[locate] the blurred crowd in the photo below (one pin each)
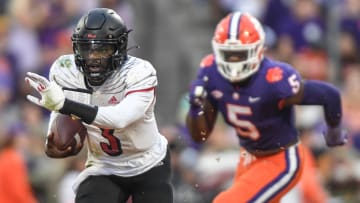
(320, 38)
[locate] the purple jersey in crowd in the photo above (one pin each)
(256, 109)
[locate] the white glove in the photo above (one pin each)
(52, 95)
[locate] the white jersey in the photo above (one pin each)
(123, 139)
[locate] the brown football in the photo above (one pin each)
(65, 128)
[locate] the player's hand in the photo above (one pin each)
(52, 151)
(52, 96)
(197, 97)
(197, 93)
(336, 136)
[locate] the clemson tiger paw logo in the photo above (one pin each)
(274, 74)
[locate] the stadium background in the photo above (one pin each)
(321, 38)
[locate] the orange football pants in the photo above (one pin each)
(264, 179)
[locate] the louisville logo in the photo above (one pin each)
(91, 36)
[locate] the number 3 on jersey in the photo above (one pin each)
(243, 127)
(113, 147)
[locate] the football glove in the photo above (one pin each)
(197, 93)
(197, 96)
(52, 95)
(335, 136)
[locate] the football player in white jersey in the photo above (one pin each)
(114, 96)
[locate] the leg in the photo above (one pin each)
(154, 185)
(100, 189)
(266, 179)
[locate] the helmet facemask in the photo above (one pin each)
(237, 62)
(238, 46)
(100, 44)
(95, 60)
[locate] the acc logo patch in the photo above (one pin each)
(65, 63)
(274, 75)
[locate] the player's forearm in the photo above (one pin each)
(199, 128)
(321, 93)
(86, 112)
(130, 109)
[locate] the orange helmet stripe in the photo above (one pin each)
(237, 26)
(222, 30)
(248, 32)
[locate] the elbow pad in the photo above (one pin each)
(322, 93)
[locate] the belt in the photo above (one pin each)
(261, 153)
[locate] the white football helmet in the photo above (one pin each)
(238, 35)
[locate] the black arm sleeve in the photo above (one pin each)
(86, 112)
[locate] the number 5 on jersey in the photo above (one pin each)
(243, 127)
(294, 83)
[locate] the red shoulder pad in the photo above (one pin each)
(207, 61)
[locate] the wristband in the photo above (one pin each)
(86, 112)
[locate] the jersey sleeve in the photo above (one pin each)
(141, 78)
(205, 64)
(203, 74)
(284, 79)
(56, 74)
(139, 99)
(65, 73)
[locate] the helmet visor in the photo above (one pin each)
(95, 50)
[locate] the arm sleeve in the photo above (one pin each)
(321, 93)
(130, 109)
(140, 81)
(140, 96)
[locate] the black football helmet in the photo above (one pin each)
(100, 44)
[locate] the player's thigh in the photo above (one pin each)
(160, 192)
(266, 180)
(97, 189)
(155, 185)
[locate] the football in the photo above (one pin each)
(210, 113)
(65, 128)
